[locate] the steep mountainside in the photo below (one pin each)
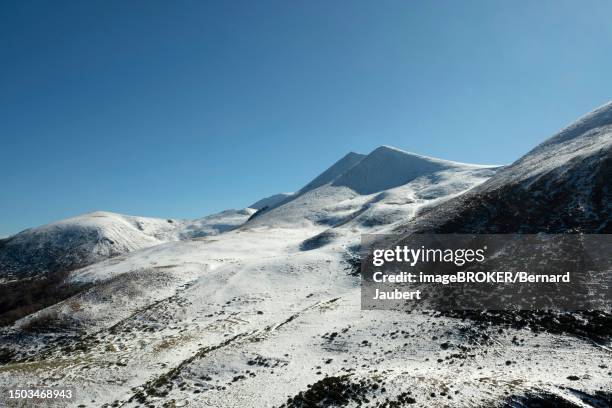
(563, 185)
(334, 172)
(329, 175)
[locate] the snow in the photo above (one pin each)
(215, 224)
(357, 195)
(336, 170)
(95, 236)
(387, 167)
(227, 312)
(253, 281)
(599, 117)
(328, 176)
(587, 136)
(253, 295)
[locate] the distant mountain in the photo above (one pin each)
(328, 176)
(385, 186)
(79, 241)
(339, 194)
(387, 167)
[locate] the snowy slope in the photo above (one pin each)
(336, 170)
(388, 182)
(214, 224)
(179, 298)
(249, 319)
(328, 176)
(589, 136)
(79, 241)
(89, 238)
(562, 185)
(387, 167)
(254, 317)
(270, 201)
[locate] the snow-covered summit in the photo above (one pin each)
(80, 240)
(388, 167)
(85, 239)
(385, 185)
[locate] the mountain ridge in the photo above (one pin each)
(388, 167)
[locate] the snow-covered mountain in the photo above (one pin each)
(89, 238)
(387, 167)
(336, 170)
(268, 313)
(384, 186)
(326, 177)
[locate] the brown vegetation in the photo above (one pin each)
(26, 296)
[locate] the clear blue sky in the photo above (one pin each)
(184, 108)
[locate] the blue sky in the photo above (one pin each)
(180, 109)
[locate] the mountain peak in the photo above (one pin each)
(385, 151)
(387, 167)
(353, 155)
(337, 169)
(383, 148)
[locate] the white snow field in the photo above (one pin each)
(268, 313)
